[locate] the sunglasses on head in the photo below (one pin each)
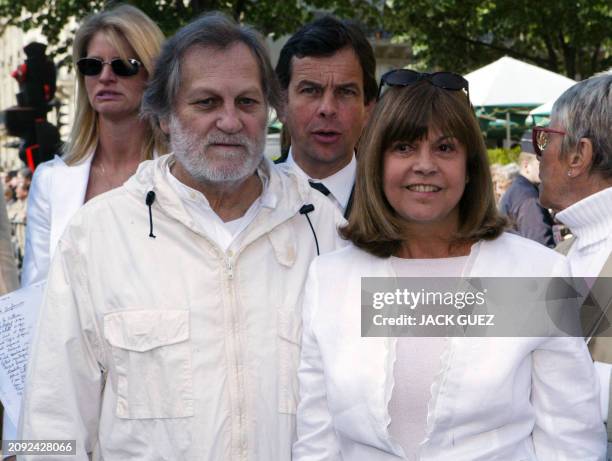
(540, 136)
(404, 77)
(93, 66)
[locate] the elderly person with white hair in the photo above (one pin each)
(576, 182)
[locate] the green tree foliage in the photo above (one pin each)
(572, 37)
(503, 156)
(270, 17)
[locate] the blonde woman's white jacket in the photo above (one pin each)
(506, 399)
(57, 192)
(170, 348)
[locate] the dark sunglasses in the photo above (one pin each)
(540, 136)
(93, 66)
(404, 77)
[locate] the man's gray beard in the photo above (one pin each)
(191, 152)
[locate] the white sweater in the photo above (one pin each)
(590, 220)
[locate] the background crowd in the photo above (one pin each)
(16, 185)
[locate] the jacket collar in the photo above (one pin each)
(286, 193)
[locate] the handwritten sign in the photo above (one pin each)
(18, 312)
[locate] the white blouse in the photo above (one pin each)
(417, 362)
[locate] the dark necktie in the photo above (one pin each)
(320, 187)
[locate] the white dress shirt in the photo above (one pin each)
(590, 220)
(340, 184)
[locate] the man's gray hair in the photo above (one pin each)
(213, 30)
(584, 111)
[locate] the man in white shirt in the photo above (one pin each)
(171, 327)
(575, 155)
(327, 74)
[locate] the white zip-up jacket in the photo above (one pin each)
(169, 348)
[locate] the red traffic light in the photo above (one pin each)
(20, 73)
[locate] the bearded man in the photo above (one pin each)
(171, 325)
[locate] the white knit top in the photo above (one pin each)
(590, 220)
(417, 362)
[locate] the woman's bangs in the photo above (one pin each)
(120, 43)
(412, 114)
(405, 123)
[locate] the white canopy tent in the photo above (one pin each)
(545, 109)
(510, 82)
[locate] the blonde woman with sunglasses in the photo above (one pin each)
(114, 53)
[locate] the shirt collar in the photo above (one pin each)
(589, 219)
(339, 184)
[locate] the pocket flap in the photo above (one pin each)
(143, 330)
(284, 244)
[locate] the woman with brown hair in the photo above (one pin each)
(114, 53)
(424, 206)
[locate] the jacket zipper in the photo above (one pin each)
(241, 448)
(230, 269)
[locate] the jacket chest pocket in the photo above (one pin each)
(152, 355)
(289, 343)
